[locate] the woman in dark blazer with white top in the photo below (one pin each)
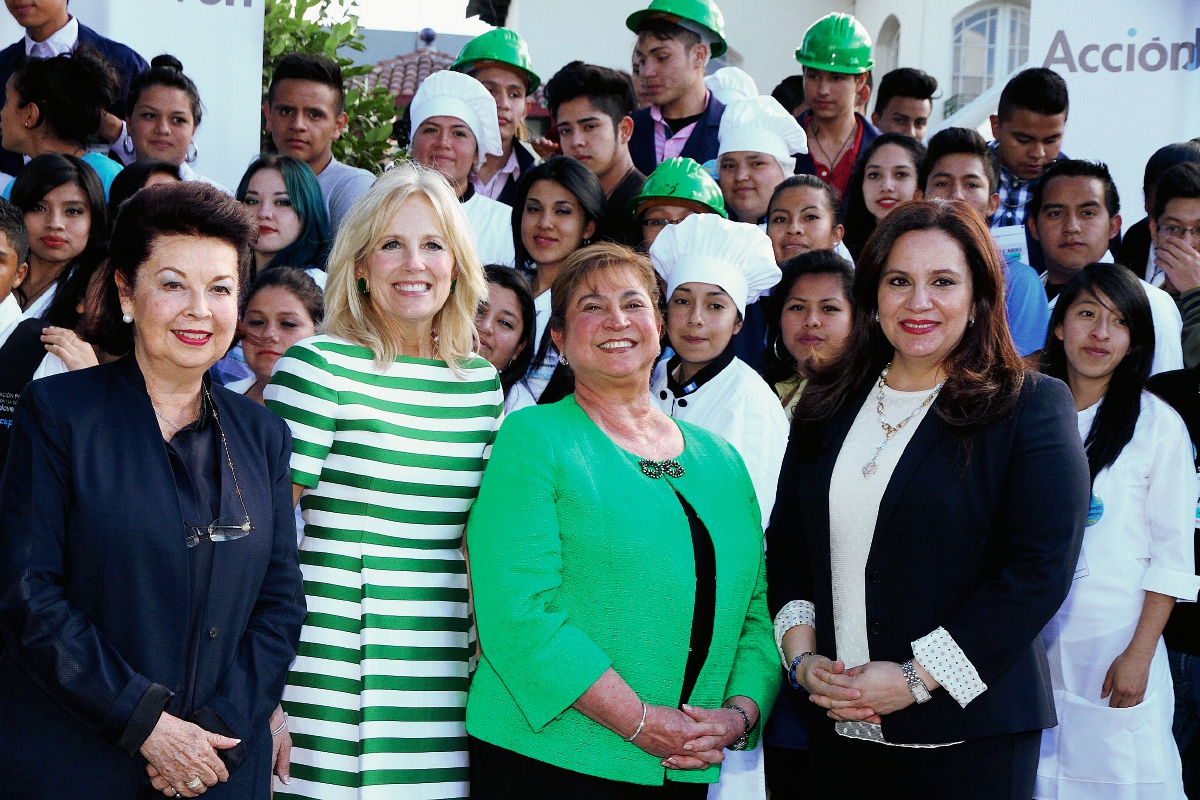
(150, 595)
(929, 517)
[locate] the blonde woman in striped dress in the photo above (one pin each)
(393, 418)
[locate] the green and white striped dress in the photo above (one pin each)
(392, 460)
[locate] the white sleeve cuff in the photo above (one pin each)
(797, 612)
(942, 658)
(1180, 585)
(123, 147)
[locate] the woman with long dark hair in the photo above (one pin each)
(885, 177)
(293, 224)
(558, 209)
(505, 326)
(1108, 663)
(927, 523)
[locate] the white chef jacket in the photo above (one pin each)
(492, 223)
(1142, 542)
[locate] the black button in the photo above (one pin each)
(212, 633)
(683, 403)
(663, 394)
(876, 628)
(876, 576)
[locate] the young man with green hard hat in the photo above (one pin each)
(678, 188)
(836, 56)
(499, 59)
(675, 39)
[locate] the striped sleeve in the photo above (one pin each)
(300, 392)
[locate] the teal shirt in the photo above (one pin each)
(106, 169)
(580, 562)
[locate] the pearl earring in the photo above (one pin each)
(127, 318)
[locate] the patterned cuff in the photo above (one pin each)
(797, 612)
(942, 658)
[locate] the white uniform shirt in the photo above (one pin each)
(10, 317)
(492, 222)
(1143, 541)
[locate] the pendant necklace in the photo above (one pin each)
(890, 431)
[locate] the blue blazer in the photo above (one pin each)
(804, 162)
(701, 146)
(94, 587)
(123, 59)
(978, 532)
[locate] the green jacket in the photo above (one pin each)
(580, 562)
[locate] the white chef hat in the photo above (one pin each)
(759, 124)
(705, 248)
(453, 94)
(731, 83)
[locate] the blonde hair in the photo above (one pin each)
(354, 317)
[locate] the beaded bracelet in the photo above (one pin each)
(792, 672)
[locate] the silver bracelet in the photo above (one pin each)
(282, 726)
(641, 725)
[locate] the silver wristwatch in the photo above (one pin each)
(920, 691)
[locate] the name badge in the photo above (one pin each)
(1095, 510)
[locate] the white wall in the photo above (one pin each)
(220, 45)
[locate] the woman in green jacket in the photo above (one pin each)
(617, 567)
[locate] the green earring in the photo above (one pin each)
(453, 284)
(362, 286)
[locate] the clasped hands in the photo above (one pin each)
(182, 757)
(692, 738)
(865, 693)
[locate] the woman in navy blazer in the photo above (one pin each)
(150, 596)
(928, 521)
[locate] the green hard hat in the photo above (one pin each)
(502, 46)
(681, 179)
(837, 43)
(700, 12)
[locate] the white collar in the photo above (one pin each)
(10, 316)
(63, 40)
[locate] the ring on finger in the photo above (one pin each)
(194, 783)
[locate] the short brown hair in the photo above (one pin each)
(587, 261)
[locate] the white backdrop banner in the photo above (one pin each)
(1131, 69)
(220, 45)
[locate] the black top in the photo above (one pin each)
(705, 607)
(20, 355)
(1181, 389)
(623, 227)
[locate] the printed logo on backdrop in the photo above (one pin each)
(245, 3)
(1149, 56)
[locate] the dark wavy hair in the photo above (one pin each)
(984, 372)
(191, 208)
(311, 248)
(779, 366)
(129, 180)
(41, 176)
(576, 179)
(71, 92)
(1117, 288)
(509, 278)
(859, 221)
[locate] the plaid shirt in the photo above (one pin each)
(1014, 195)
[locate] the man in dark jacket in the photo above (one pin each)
(50, 31)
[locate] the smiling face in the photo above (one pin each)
(410, 268)
(161, 125)
(303, 122)
(500, 326)
(275, 320)
(553, 225)
(889, 179)
(1073, 225)
(447, 145)
(962, 176)
(747, 181)
(925, 298)
(587, 135)
(701, 320)
(1095, 337)
(611, 331)
(59, 224)
(800, 220)
(184, 305)
(1027, 141)
(267, 199)
(816, 318)
(507, 88)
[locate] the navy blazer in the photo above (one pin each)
(804, 162)
(978, 532)
(123, 59)
(94, 586)
(701, 145)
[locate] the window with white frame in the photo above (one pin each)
(991, 41)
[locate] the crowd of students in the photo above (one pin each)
(876, 339)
